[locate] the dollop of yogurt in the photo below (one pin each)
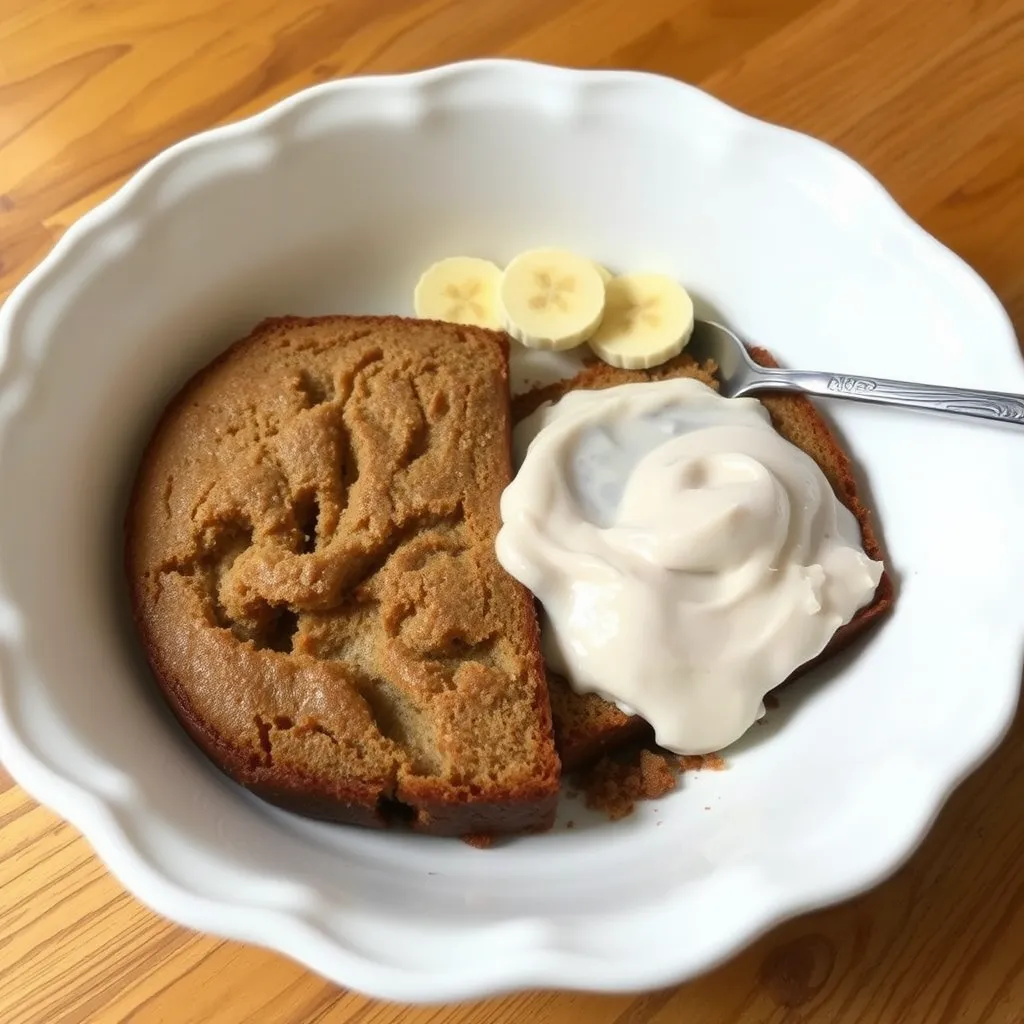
(688, 558)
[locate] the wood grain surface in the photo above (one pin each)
(928, 94)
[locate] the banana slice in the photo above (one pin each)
(606, 274)
(648, 319)
(551, 299)
(461, 290)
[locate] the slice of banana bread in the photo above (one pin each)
(310, 550)
(586, 726)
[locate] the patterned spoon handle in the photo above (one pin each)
(987, 405)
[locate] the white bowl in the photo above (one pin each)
(333, 201)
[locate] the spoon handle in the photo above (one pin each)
(986, 405)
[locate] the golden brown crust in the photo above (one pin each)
(310, 547)
(596, 376)
(587, 727)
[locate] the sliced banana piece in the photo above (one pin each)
(606, 274)
(461, 290)
(551, 299)
(648, 319)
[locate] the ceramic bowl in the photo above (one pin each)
(333, 201)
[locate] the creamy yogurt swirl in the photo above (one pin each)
(687, 556)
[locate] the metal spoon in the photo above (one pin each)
(740, 375)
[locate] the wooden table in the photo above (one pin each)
(929, 94)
